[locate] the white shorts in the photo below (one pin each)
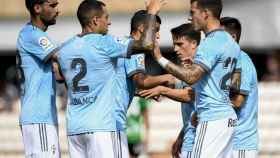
(214, 138)
(40, 141)
(186, 154)
(245, 153)
(98, 145)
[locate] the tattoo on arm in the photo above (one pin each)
(189, 74)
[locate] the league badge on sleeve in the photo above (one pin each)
(141, 60)
(45, 43)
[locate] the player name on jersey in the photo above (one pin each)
(83, 100)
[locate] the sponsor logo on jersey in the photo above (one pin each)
(232, 122)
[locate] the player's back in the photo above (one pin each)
(37, 80)
(217, 54)
(90, 75)
(246, 133)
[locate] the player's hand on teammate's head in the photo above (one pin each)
(154, 6)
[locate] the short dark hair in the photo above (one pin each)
(187, 31)
(232, 25)
(30, 5)
(215, 6)
(139, 18)
(88, 9)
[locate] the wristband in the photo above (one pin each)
(163, 62)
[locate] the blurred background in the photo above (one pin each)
(260, 39)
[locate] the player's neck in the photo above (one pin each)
(35, 21)
(212, 25)
(88, 29)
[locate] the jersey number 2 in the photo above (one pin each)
(83, 71)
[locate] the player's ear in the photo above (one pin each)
(37, 9)
(95, 20)
(206, 13)
(141, 28)
(194, 44)
(234, 36)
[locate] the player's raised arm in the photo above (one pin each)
(189, 74)
(147, 39)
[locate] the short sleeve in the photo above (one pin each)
(246, 77)
(206, 55)
(135, 64)
(238, 65)
(40, 45)
(115, 47)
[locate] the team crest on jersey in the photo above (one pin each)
(45, 43)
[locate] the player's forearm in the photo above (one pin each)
(180, 95)
(144, 81)
(190, 74)
(147, 38)
(152, 81)
(57, 73)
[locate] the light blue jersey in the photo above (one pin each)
(125, 87)
(189, 131)
(89, 65)
(36, 76)
(246, 132)
(217, 54)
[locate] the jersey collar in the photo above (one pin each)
(216, 30)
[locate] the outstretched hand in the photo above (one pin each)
(153, 6)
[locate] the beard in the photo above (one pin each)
(48, 22)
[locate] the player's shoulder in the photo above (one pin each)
(214, 39)
(31, 32)
(33, 36)
(247, 63)
(244, 57)
(101, 40)
(68, 43)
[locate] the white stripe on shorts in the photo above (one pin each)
(198, 147)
